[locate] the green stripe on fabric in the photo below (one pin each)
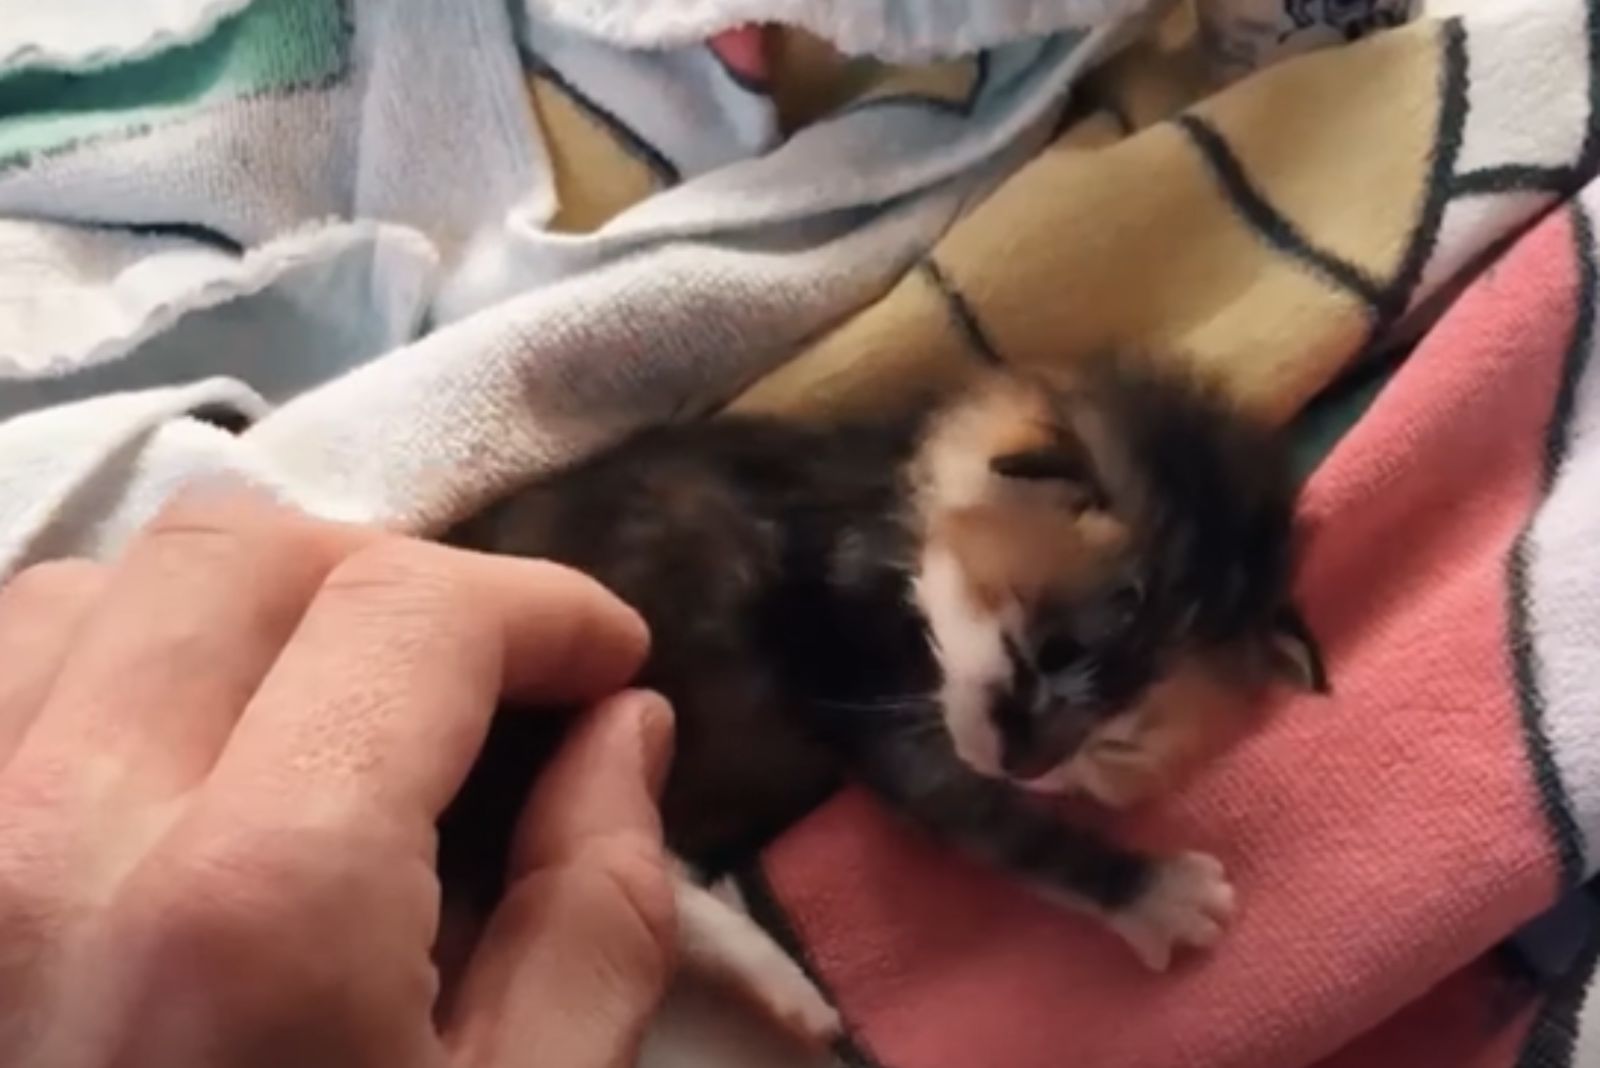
(271, 46)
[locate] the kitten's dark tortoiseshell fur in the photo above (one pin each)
(725, 536)
(774, 565)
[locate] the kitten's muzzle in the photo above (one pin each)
(1027, 766)
(1033, 754)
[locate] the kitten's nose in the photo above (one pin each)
(1062, 735)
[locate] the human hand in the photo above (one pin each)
(221, 763)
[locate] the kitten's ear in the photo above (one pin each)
(1293, 654)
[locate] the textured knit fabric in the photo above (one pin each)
(430, 250)
(451, 245)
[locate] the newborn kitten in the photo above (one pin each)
(1027, 587)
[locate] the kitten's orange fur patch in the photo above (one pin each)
(1013, 540)
(1018, 541)
(1185, 722)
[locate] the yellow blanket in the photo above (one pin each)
(1271, 231)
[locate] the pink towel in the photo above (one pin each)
(1382, 839)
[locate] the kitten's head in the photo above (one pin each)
(1084, 540)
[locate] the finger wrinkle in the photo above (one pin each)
(614, 911)
(410, 585)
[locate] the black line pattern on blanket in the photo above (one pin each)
(961, 313)
(1454, 104)
(1553, 1038)
(666, 172)
(1536, 178)
(1269, 223)
(764, 908)
(1387, 302)
(1565, 834)
(196, 233)
(1517, 178)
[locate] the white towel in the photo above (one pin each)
(353, 208)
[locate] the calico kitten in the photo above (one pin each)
(1028, 587)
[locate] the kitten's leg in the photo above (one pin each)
(721, 943)
(1157, 905)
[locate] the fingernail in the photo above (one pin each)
(652, 716)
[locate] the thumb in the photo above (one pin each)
(578, 953)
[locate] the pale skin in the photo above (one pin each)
(222, 757)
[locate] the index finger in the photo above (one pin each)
(380, 701)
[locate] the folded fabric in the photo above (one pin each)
(283, 191)
(1244, 35)
(1382, 838)
(1387, 837)
(886, 28)
(1271, 232)
(80, 483)
(286, 194)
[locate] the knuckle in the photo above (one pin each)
(637, 871)
(399, 576)
(617, 897)
(32, 932)
(35, 793)
(216, 910)
(33, 892)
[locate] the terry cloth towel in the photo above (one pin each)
(1386, 839)
(591, 235)
(547, 238)
(297, 189)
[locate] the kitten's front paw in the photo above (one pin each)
(1188, 902)
(810, 1018)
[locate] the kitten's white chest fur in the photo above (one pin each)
(970, 645)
